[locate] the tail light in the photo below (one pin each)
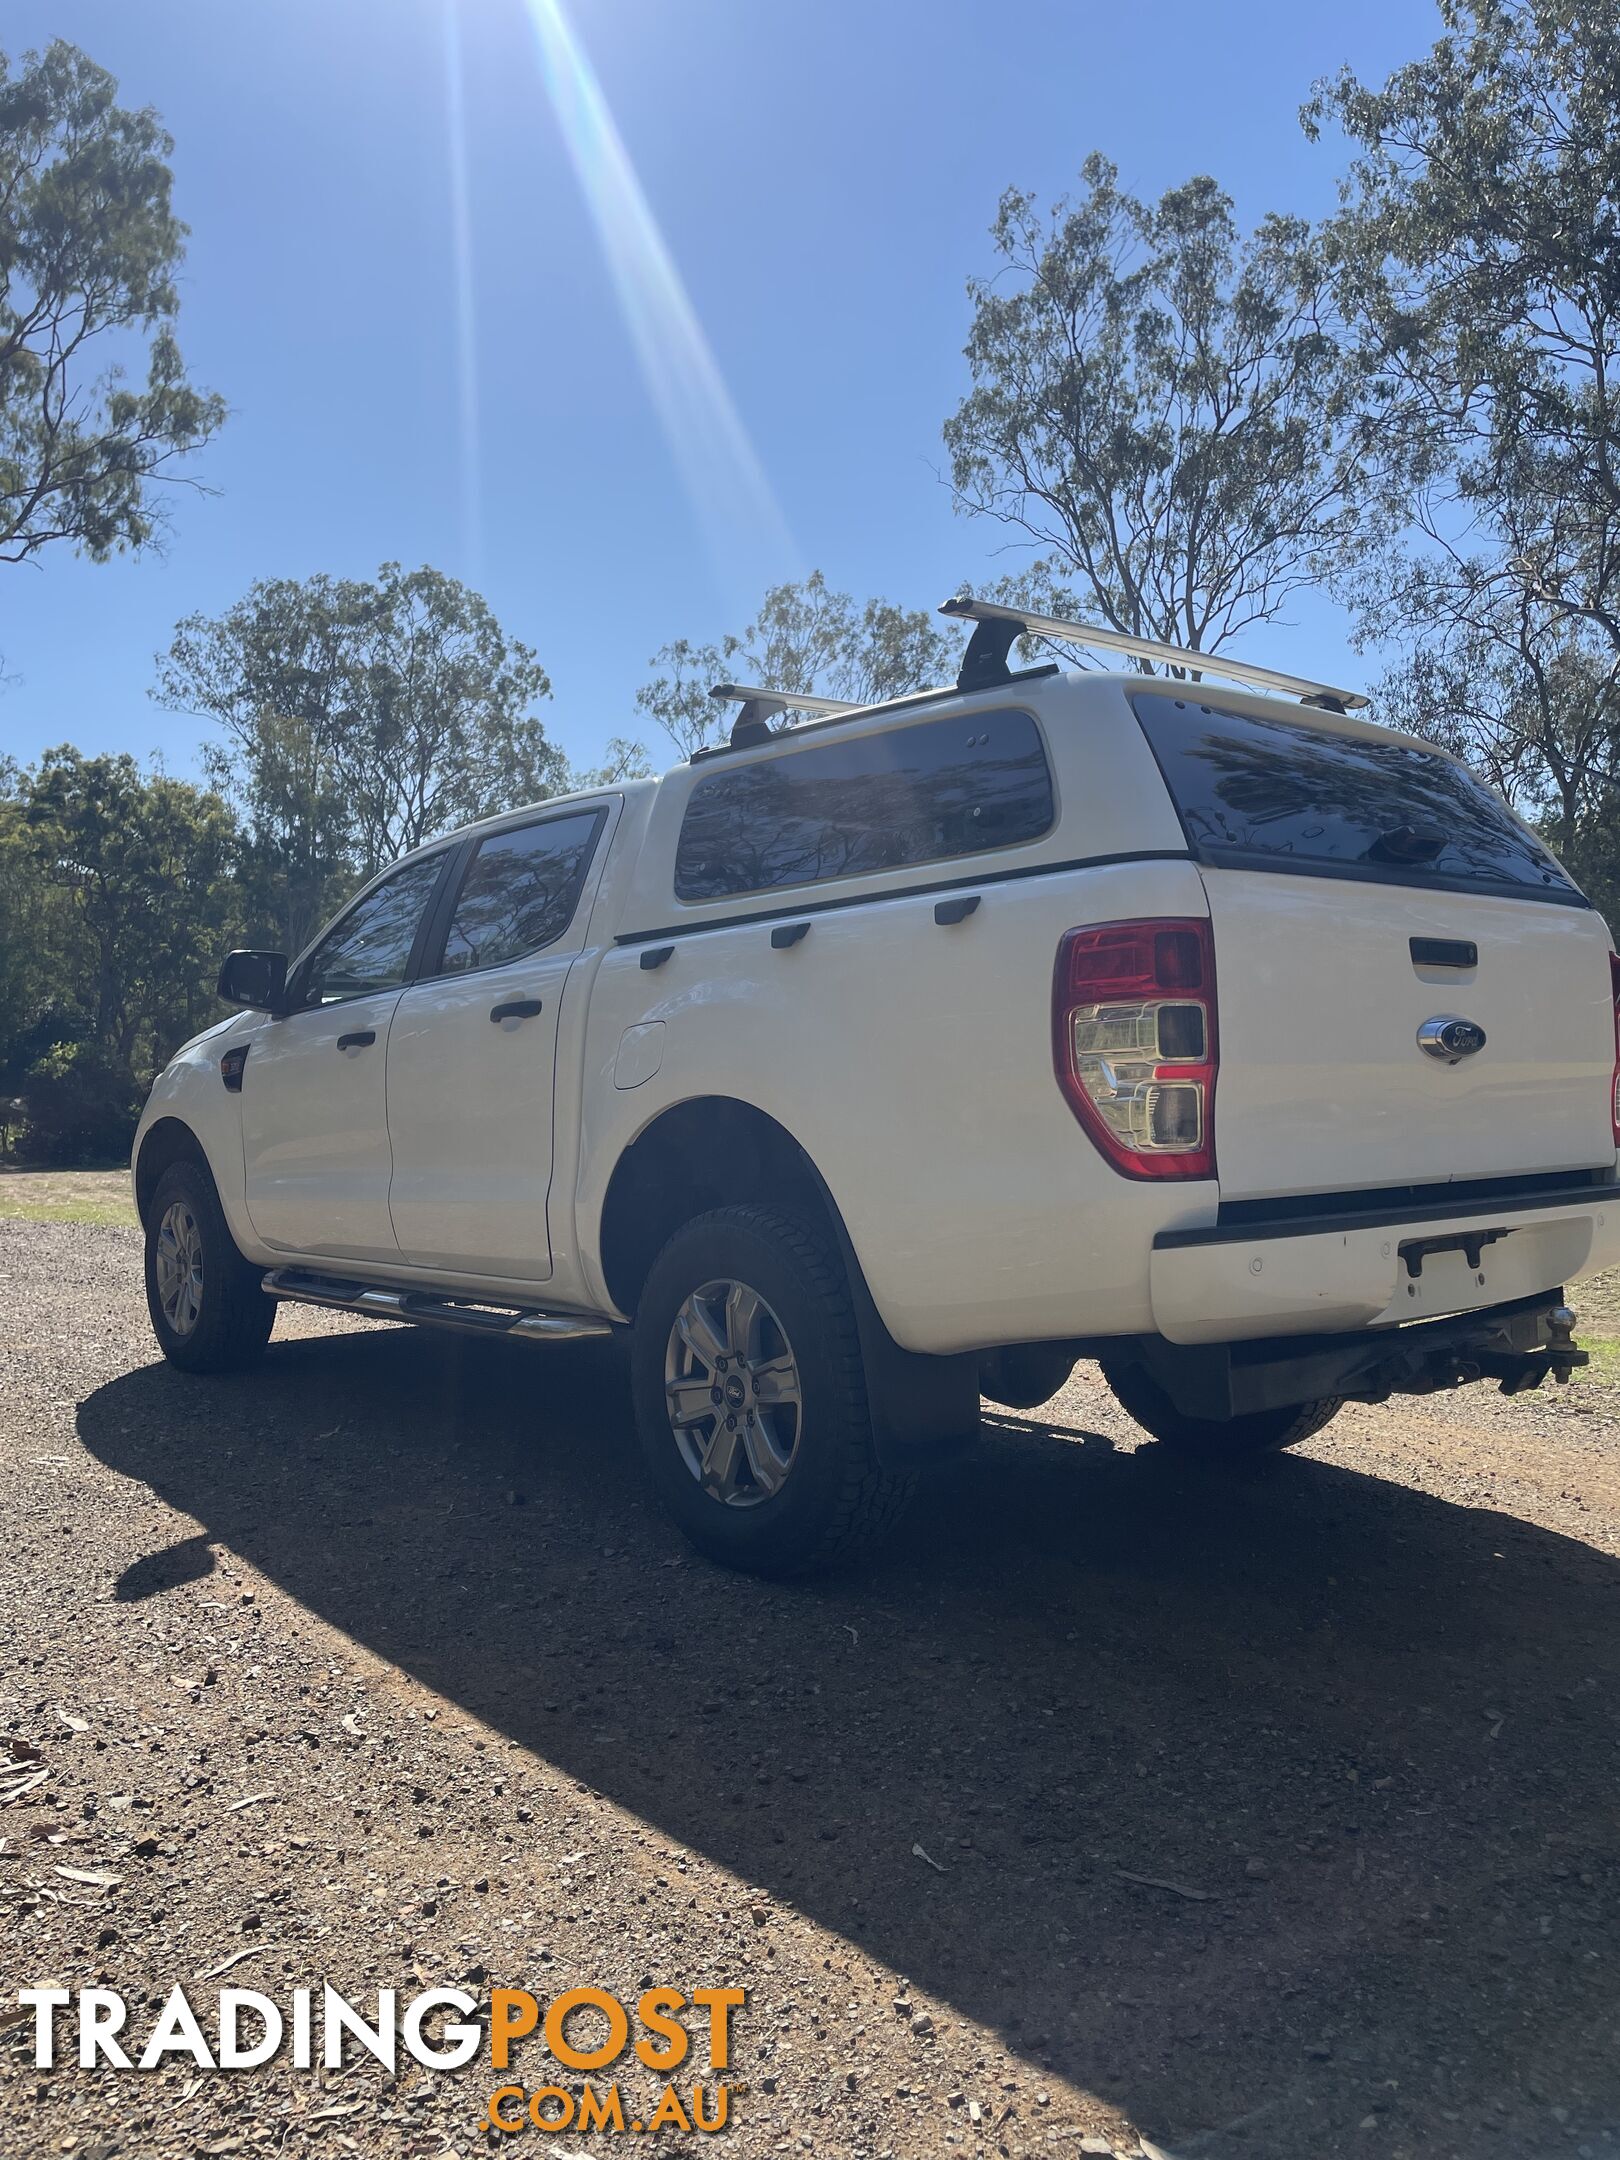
(1614, 1085)
(1133, 1036)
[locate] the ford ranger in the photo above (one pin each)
(858, 1068)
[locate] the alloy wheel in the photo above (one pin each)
(179, 1260)
(731, 1383)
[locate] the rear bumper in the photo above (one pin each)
(1313, 1275)
(1518, 1344)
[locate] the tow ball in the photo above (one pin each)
(1562, 1354)
(1521, 1370)
(1560, 1357)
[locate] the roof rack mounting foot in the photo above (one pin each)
(984, 664)
(751, 725)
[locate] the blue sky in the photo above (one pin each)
(818, 177)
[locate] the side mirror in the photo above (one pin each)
(255, 979)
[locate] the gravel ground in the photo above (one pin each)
(1262, 1818)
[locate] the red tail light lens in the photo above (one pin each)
(1134, 1041)
(1614, 1085)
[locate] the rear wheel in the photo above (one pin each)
(208, 1311)
(1213, 1440)
(751, 1399)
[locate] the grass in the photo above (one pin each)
(74, 1196)
(1597, 1300)
(1604, 1370)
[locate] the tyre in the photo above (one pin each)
(1213, 1440)
(750, 1396)
(209, 1313)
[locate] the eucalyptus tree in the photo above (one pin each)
(89, 251)
(1476, 260)
(805, 637)
(1160, 410)
(360, 719)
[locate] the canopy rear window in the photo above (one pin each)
(1284, 795)
(846, 806)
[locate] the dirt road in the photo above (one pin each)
(1269, 1818)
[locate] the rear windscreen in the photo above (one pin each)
(1275, 794)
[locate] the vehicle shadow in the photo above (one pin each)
(1262, 1809)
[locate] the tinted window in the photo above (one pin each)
(520, 891)
(845, 807)
(1275, 794)
(369, 949)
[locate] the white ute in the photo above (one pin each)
(916, 1051)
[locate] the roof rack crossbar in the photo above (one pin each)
(727, 693)
(752, 724)
(1011, 623)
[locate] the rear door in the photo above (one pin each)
(473, 1048)
(314, 1100)
(1360, 887)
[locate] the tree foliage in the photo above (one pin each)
(143, 861)
(1531, 699)
(625, 760)
(1475, 261)
(118, 891)
(1160, 408)
(89, 247)
(360, 719)
(36, 944)
(808, 638)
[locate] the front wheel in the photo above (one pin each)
(750, 1395)
(1213, 1440)
(208, 1311)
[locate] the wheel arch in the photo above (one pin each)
(706, 1152)
(713, 1151)
(168, 1141)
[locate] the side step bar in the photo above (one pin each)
(522, 1323)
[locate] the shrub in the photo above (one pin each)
(81, 1106)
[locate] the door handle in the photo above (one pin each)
(358, 1040)
(517, 1009)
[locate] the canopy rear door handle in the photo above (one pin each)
(1443, 952)
(517, 1009)
(955, 911)
(358, 1040)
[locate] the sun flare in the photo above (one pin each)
(731, 499)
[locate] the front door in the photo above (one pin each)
(473, 1050)
(314, 1100)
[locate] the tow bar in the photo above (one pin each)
(1517, 1345)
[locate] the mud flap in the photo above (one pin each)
(925, 1410)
